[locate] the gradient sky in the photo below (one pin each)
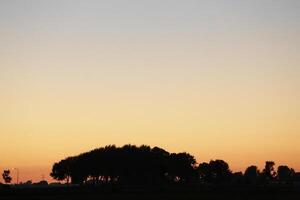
(219, 79)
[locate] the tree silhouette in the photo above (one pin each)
(285, 174)
(216, 171)
(204, 171)
(251, 175)
(220, 171)
(143, 165)
(62, 170)
(6, 176)
(269, 171)
(127, 164)
(182, 167)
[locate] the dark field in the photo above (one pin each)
(157, 193)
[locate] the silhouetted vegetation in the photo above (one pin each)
(143, 172)
(216, 171)
(6, 176)
(144, 165)
(252, 175)
(285, 174)
(128, 164)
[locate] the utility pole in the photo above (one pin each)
(17, 174)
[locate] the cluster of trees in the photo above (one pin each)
(218, 171)
(126, 164)
(146, 165)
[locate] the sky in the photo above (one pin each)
(218, 79)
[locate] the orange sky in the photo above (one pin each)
(218, 80)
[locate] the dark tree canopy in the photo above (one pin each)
(220, 171)
(127, 164)
(204, 172)
(285, 174)
(132, 164)
(216, 171)
(251, 175)
(269, 170)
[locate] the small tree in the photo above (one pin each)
(204, 172)
(251, 175)
(269, 171)
(285, 174)
(6, 176)
(181, 167)
(220, 171)
(61, 170)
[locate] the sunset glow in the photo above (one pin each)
(218, 80)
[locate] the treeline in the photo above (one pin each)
(145, 165)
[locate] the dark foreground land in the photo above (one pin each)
(155, 193)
